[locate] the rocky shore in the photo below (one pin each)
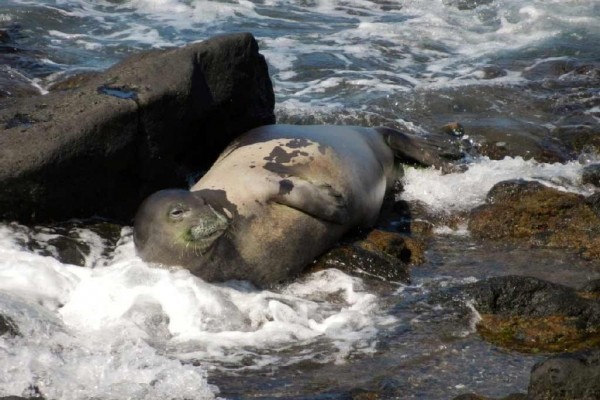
(98, 144)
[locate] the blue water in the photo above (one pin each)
(355, 54)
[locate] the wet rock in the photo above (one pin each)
(8, 326)
(381, 255)
(4, 36)
(363, 394)
(408, 250)
(593, 202)
(493, 72)
(591, 290)
(503, 137)
(73, 81)
(531, 315)
(591, 175)
(467, 4)
(549, 69)
(71, 242)
(531, 213)
(567, 377)
(472, 396)
(20, 398)
(579, 136)
(153, 121)
(14, 84)
(417, 220)
(454, 129)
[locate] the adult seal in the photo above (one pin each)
(276, 198)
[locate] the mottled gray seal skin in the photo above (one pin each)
(277, 197)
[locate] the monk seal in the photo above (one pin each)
(276, 198)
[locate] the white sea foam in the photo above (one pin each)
(128, 330)
(381, 48)
(466, 190)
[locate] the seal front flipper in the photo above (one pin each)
(320, 201)
(422, 150)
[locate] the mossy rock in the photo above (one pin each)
(531, 315)
(381, 255)
(553, 334)
(533, 214)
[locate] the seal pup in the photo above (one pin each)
(275, 199)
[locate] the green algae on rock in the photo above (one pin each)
(537, 215)
(531, 315)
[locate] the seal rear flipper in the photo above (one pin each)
(320, 201)
(423, 150)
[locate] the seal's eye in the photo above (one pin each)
(176, 213)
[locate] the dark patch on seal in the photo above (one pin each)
(218, 201)
(285, 186)
(298, 143)
(285, 170)
(280, 156)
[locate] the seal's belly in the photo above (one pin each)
(281, 241)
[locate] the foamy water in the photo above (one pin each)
(466, 190)
(325, 53)
(129, 330)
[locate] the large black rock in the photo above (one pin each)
(148, 123)
(573, 376)
(532, 297)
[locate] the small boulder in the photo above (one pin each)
(8, 326)
(573, 376)
(473, 396)
(591, 175)
(591, 290)
(531, 213)
(531, 315)
(381, 255)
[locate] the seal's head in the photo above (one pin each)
(175, 227)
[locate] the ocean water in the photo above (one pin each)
(118, 328)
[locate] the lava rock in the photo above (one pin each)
(467, 4)
(593, 202)
(531, 315)
(8, 326)
(566, 377)
(73, 81)
(70, 242)
(148, 123)
(531, 213)
(381, 255)
(20, 398)
(591, 289)
(591, 175)
(473, 396)
(580, 135)
(14, 84)
(453, 129)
